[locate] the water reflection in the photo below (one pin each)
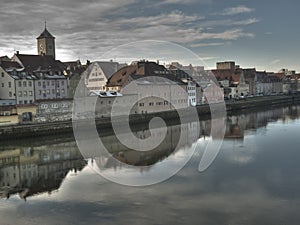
(33, 168)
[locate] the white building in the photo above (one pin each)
(16, 83)
(98, 73)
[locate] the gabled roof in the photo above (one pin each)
(8, 65)
(45, 34)
(108, 68)
(4, 58)
(40, 62)
(120, 77)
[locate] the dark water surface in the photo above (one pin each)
(254, 179)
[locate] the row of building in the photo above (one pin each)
(238, 82)
(149, 86)
(26, 79)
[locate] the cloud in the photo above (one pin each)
(275, 61)
(207, 44)
(226, 35)
(246, 22)
(229, 22)
(173, 18)
(236, 10)
(88, 29)
(185, 2)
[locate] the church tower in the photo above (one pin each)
(46, 43)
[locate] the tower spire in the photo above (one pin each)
(45, 24)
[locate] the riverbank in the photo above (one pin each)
(138, 122)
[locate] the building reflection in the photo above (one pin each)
(237, 126)
(176, 137)
(32, 168)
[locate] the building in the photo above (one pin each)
(226, 65)
(157, 88)
(188, 75)
(46, 43)
(48, 75)
(228, 72)
(98, 73)
(266, 84)
(16, 83)
(74, 71)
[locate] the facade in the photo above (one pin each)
(74, 71)
(25, 90)
(16, 83)
(51, 87)
(226, 66)
(267, 84)
(213, 94)
(7, 90)
(192, 93)
(188, 75)
(98, 73)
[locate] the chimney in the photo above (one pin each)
(18, 52)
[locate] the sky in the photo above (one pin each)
(261, 34)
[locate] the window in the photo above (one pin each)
(20, 102)
(25, 93)
(53, 91)
(10, 94)
(20, 93)
(48, 92)
(62, 91)
(24, 83)
(20, 83)
(30, 93)
(39, 83)
(40, 92)
(30, 83)
(48, 83)
(141, 104)
(9, 84)
(52, 83)
(62, 82)
(2, 74)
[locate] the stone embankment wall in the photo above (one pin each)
(55, 118)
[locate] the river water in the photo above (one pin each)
(253, 180)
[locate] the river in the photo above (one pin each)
(252, 180)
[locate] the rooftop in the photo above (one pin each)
(45, 34)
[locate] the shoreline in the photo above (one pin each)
(139, 121)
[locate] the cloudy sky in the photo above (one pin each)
(259, 33)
